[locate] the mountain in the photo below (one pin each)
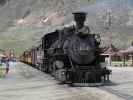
(121, 28)
(24, 22)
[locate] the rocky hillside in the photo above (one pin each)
(24, 22)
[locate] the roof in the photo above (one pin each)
(111, 49)
(2, 55)
(127, 51)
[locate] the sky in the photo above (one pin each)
(114, 2)
(108, 4)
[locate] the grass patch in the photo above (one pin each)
(19, 51)
(87, 1)
(120, 63)
(2, 71)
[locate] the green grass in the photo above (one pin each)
(18, 49)
(87, 1)
(21, 38)
(120, 63)
(2, 72)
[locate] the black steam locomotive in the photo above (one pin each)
(72, 55)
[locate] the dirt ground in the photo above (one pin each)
(122, 82)
(26, 83)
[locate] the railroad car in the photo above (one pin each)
(33, 57)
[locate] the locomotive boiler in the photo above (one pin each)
(72, 55)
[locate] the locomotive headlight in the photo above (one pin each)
(59, 64)
(63, 73)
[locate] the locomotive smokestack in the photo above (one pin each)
(79, 18)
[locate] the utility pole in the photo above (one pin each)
(108, 24)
